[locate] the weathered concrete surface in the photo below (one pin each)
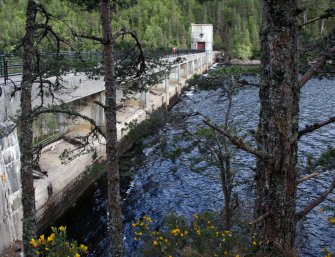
(10, 187)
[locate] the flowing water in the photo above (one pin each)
(164, 182)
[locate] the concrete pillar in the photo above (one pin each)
(185, 65)
(178, 73)
(207, 61)
(193, 68)
(167, 93)
(144, 99)
(178, 89)
(187, 70)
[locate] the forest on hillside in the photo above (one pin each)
(165, 24)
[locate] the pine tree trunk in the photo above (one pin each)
(26, 134)
(113, 177)
(278, 128)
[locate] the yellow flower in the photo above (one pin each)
(331, 219)
(46, 248)
(33, 243)
(237, 255)
(134, 225)
(42, 240)
(147, 219)
(155, 242)
(62, 228)
(83, 247)
(254, 242)
(77, 255)
(51, 237)
(175, 231)
(195, 215)
(170, 256)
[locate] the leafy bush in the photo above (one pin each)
(204, 236)
(56, 245)
(222, 76)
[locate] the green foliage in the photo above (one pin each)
(325, 161)
(329, 211)
(327, 253)
(204, 236)
(237, 70)
(327, 158)
(56, 245)
(162, 24)
(219, 77)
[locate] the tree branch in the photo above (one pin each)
(141, 59)
(315, 126)
(90, 37)
(235, 140)
(320, 61)
(100, 104)
(244, 82)
(260, 218)
(327, 14)
(303, 179)
(316, 202)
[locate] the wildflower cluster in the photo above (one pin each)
(141, 227)
(56, 245)
(203, 236)
(327, 253)
(330, 211)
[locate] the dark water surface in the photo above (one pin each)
(164, 183)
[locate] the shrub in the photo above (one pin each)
(203, 236)
(56, 245)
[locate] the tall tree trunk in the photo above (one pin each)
(278, 128)
(113, 177)
(26, 133)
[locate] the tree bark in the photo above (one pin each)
(278, 128)
(113, 177)
(26, 133)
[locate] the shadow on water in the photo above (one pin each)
(164, 183)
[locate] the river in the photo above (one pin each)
(164, 183)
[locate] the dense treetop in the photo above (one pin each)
(163, 24)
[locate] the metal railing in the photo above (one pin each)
(11, 66)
